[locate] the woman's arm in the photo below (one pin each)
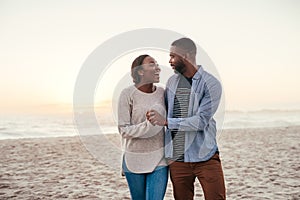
(128, 130)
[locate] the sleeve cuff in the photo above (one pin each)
(173, 123)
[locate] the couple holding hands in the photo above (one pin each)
(172, 129)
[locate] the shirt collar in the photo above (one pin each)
(197, 75)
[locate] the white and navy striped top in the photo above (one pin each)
(180, 110)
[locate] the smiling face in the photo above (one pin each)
(150, 71)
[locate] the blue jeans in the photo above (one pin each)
(147, 186)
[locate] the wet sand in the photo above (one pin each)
(257, 163)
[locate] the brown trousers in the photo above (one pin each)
(209, 174)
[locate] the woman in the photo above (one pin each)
(143, 163)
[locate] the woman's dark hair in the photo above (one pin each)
(137, 65)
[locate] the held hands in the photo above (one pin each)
(155, 118)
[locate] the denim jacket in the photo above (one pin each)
(199, 126)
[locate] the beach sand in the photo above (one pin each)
(257, 163)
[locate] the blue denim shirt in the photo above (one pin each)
(200, 126)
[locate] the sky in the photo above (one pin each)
(254, 45)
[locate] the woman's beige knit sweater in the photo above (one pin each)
(143, 143)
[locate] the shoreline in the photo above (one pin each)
(78, 135)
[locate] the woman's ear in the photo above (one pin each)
(140, 72)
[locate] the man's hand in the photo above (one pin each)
(155, 118)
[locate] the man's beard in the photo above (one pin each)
(180, 67)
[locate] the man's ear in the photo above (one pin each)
(186, 56)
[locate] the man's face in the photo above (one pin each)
(176, 60)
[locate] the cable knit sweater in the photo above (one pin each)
(143, 143)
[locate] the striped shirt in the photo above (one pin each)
(180, 110)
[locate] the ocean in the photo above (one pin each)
(39, 126)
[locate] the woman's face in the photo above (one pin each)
(150, 72)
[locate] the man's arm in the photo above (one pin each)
(208, 106)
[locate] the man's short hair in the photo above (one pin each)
(185, 44)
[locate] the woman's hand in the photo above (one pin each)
(155, 118)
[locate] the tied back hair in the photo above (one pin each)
(136, 66)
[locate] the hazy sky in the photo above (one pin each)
(254, 44)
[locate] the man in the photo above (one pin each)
(192, 98)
